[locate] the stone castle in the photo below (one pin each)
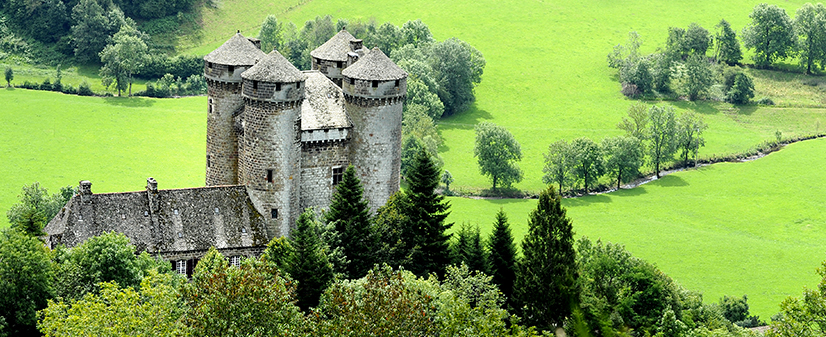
(278, 141)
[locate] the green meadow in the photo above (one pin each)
(754, 228)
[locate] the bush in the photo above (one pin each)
(84, 89)
(46, 85)
(69, 89)
(29, 85)
(741, 91)
(765, 101)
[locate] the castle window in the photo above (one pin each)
(278, 87)
(338, 64)
(209, 161)
(269, 176)
(397, 83)
(298, 85)
(175, 211)
(145, 213)
(375, 84)
(231, 69)
(209, 65)
(180, 267)
(180, 235)
(338, 175)
(217, 210)
(255, 85)
(274, 213)
(243, 230)
(352, 81)
(235, 261)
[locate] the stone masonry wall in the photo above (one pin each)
(317, 162)
(271, 142)
(331, 69)
(224, 103)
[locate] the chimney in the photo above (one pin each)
(85, 187)
(255, 42)
(151, 184)
(355, 44)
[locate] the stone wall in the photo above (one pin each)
(271, 144)
(331, 69)
(317, 162)
(164, 221)
(274, 92)
(221, 72)
(224, 104)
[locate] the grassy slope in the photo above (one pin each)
(753, 228)
(115, 142)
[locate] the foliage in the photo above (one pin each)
(94, 26)
(623, 157)
(419, 132)
(728, 48)
(770, 34)
(183, 66)
(682, 43)
(168, 86)
(278, 253)
(741, 91)
(153, 309)
(36, 208)
(468, 248)
(9, 74)
(105, 258)
(736, 311)
(587, 162)
(84, 89)
(26, 278)
(271, 34)
(447, 179)
(458, 68)
(689, 136)
(698, 77)
(308, 263)
(350, 214)
(636, 124)
(123, 58)
(559, 164)
(662, 133)
(391, 226)
(44, 20)
(425, 231)
(420, 94)
(803, 316)
(546, 277)
(497, 153)
(810, 30)
(502, 255)
(254, 299)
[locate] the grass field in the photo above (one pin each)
(116, 143)
(754, 228)
(546, 76)
(70, 75)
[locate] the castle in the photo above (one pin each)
(278, 141)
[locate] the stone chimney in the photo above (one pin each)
(85, 191)
(151, 184)
(355, 45)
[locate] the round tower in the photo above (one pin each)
(270, 146)
(374, 90)
(336, 54)
(222, 70)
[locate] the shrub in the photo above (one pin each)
(46, 85)
(29, 85)
(765, 101)
(84, 89)
(69, 89)
(741, 91)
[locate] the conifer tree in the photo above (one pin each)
(502, 255)
(468, 248)
(308, 263)
(426, 212)
(546, 276)
(351, 216)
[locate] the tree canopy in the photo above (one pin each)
(497, 153)
(770, 33)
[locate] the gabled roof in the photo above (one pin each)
(336, 48)
(323, 106)
(237, 51)
(375, 66)
(273, 67)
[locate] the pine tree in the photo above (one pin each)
(351, 216)
(468, 248)
(502, 255)
(426, 211)
(308, 263)
(546, 276)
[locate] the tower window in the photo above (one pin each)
(338, 64)
(338, 175)
(209, 65)
(375, 84)
(180, 267)
(274, 213)
(255, 85)
(278, 87)
(397, 83)
(269, 176)
(298, 85)
(209, 162)
(352, 81)
(231, 69)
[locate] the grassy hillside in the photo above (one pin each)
(546, 76)
(754, 228)
(116, 143)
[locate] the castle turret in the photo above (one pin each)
(337, 53)
(222, 69)
(270, 145)
(374, 90)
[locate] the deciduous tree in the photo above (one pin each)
(698, 77)
(36, 204)
(623, 158)
(497, 153)
(105, 258)
(588, 164)
(458, 68)
(810, 28)
(728, 48)
(689, 138)
(558, 164)
(770, 33)
(804, 316)
(546, 276)
(271, 34)
(662, 133)
(9, 76)
(123, 58)
(447, 179)
(26, 279)
(94, 26)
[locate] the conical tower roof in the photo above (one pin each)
(274, 68)
(375, 66)
(237, 51)
(336, 48)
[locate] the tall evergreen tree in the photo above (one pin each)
(426, 212)
(468, 248)
(308, 263)
(546, 276)
(502, 255)
(728, 48)
(351, 216)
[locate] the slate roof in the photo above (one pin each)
(336, 48)
(237, 51)
(375, 66)
(323, 106)
(274, 68)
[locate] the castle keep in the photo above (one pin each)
(278, 141)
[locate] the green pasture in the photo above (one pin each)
(115, 142)
(756, 228)
(73, 75)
